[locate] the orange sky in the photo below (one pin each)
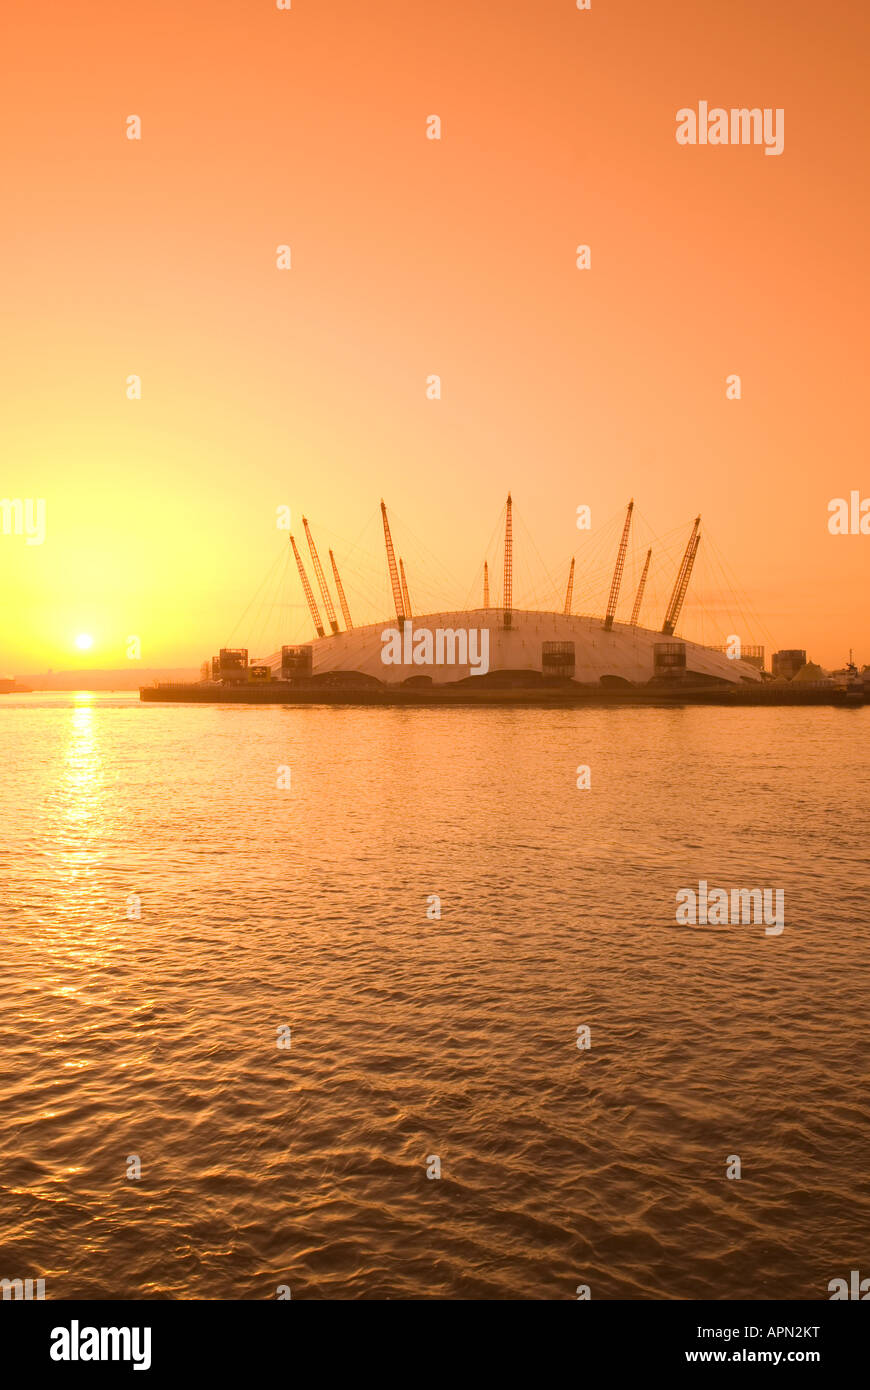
(413, 257)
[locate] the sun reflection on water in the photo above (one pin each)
(80, 819)
(83, 764)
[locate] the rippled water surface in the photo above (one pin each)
(414, 1036)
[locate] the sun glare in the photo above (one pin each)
(84, 641)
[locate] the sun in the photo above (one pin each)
(84, 641)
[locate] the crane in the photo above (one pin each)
(569, 592)
(345, 611)
(312, 606)
(321, 581)
(508, 564)
(635, 612)
(617, 573)
(406, 602)
(682, 580)
(391, 562)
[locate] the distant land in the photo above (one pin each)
(127, 678)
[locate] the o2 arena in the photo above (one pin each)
(492, 654)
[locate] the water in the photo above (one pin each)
(414, 1036)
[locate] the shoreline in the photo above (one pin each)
(559, 697)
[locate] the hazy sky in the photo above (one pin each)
(413, 257)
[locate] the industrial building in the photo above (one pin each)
(786, 664)
(524, 648)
